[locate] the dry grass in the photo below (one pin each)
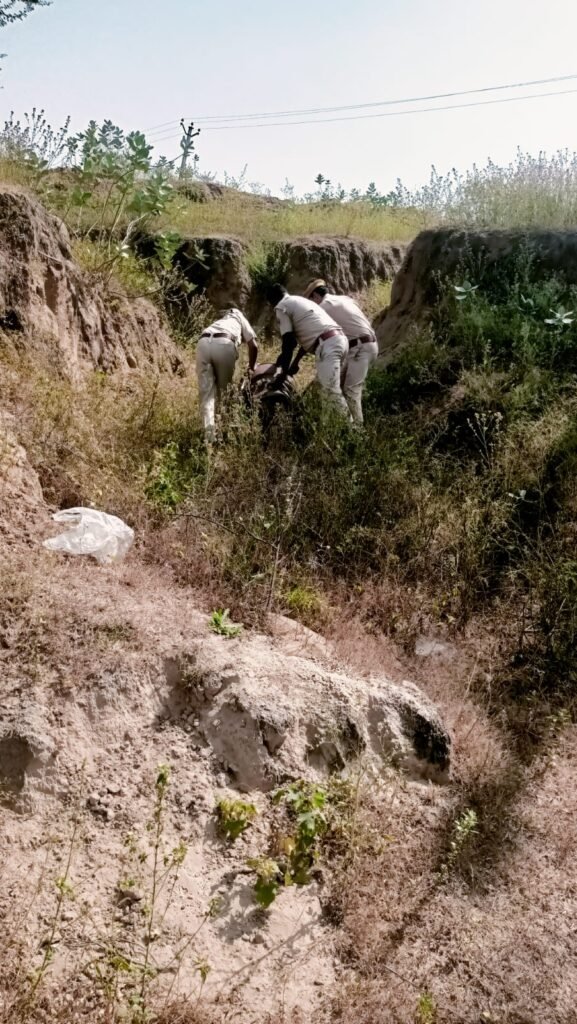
(93, 441)
(256, 222)
(481, 936)
(502, 948)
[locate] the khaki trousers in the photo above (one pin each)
(215, 362)
(330, 361)
(357, 364)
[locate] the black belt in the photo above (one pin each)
(363, 340)
(331, 333)
(218, 334)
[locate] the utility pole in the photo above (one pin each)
(186, 144)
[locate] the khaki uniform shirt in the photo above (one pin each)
(235, 323)
(347, 315)
(304, 318)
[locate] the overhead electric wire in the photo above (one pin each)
(387, 113)
(363, 106)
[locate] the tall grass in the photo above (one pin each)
(531, 191)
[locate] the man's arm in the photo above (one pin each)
(294, 367)
(289, 339)
(289, 343)
(252, 352)
(249, 337)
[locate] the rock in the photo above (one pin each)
(98, 805)
(48, 305)
(128, 897)
(288, 717)
(437, 254)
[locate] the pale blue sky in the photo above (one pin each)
(145, 62)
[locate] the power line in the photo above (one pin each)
(388, 113)
(362, 106)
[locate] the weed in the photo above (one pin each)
(234, 817)
(314, 812)
(426, 1012)
(531, 191)
(375, 298)
(33, 142)
(463, 832)
(304, 602)
(64, 892)
(220, 623)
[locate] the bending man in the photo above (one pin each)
(302, 322)
(216, 356)
(363, 348)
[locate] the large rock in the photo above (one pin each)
(269, 717)
(49, 305)
(438, 254)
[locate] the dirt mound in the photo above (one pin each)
(347, 264)
(218, 267)
(438, 254)
(212, 191)
(47, 303)
(21, 500)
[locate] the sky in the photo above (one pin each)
(143, 63)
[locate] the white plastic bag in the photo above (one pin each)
(107, 538)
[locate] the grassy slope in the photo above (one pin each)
(243, 217)
(236, 213)
(453, 514)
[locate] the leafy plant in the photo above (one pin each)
(165, 484)
(220, 623)
(306, 803)
(464, 291)
(268, 874)
(268, 264)
(234, 817)
(116, 182)
(304, 602)
(313, 811)
(561, 318)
